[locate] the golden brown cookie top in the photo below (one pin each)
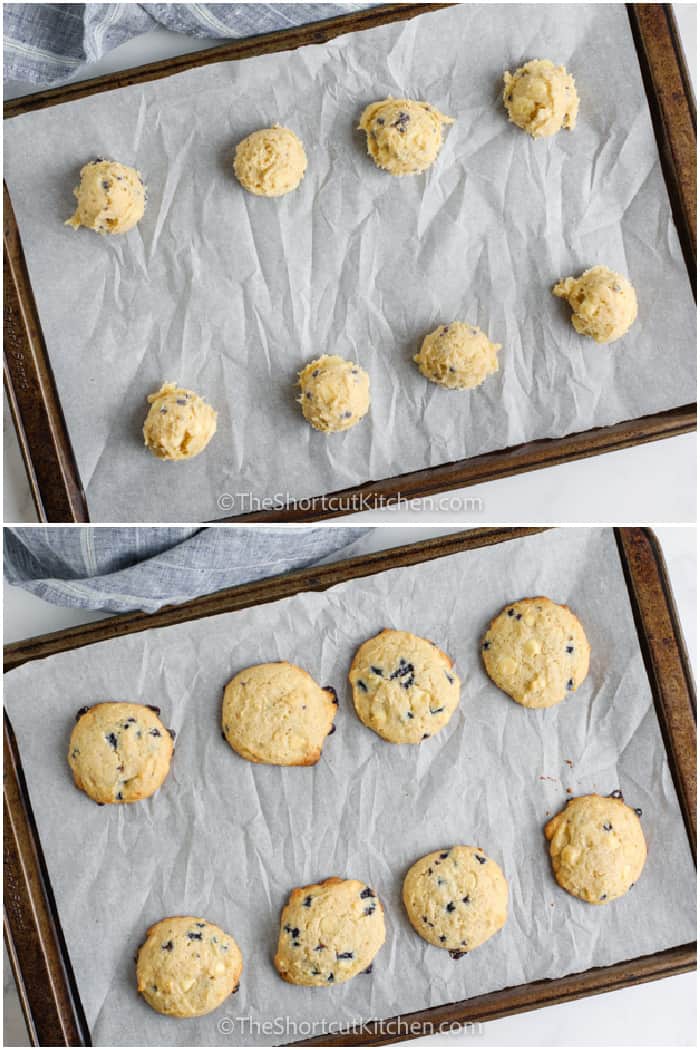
(597, 847)
(536, 651)
(276, 713)
(119, 751)
(329, 932)
(187, 966)
(456, 898)
(403, 686)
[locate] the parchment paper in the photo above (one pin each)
(227, 839)
(231, 295)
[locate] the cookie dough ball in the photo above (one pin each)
(111, 197)
(456, 898)
(270, 162)
(329, 932)
(187, 967)
(275, 713)
(604, 303)
(403, 137)
(597, 848)
(541, 98)
(334, 393)
(119, 752)
(403, 686)
(536, 651)
(179, 424)
(458, 356)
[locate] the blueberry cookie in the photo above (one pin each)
(404, 137)
(270, 162)
(334, 393)
(597, 848)
(603, 303)
(536, 651)
(541, 98)
(458, 356)
(111, 198)
(329, 932)
(120, 752)
(186, 967)
(403, 686)
(179, 425)
(275, 713)
(456, 898)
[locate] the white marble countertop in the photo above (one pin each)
(659, 1013)
(654, 482)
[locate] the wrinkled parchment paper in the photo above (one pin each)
(231, 295)
(228, 840)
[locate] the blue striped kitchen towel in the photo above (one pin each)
(127, 569)
(48, 43)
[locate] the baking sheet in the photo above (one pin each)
(231, 295)
(227, 839)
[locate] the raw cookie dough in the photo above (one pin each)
(536, 651)
(187, 967)
(403, 686)
(275, 713)
(334, 393)
(604, 303)
(179, 424)
(119, 752)
(403, 137)
(329, 932)
(597, 848)
(456, 898)
(111, 197)
(541, 98)
(458, 356)
(270, 162)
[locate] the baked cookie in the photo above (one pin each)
(403, 137)
(456, 898)
(458, 356)
(179, 425)
(111, 198)
(334, 393)
(403, 686)
(329, 932)
(597, 847)
(186, 967)
(603, 302)
(120, 752)
(270, 162)
(536, 651)
(541, 98)
(275, 713)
